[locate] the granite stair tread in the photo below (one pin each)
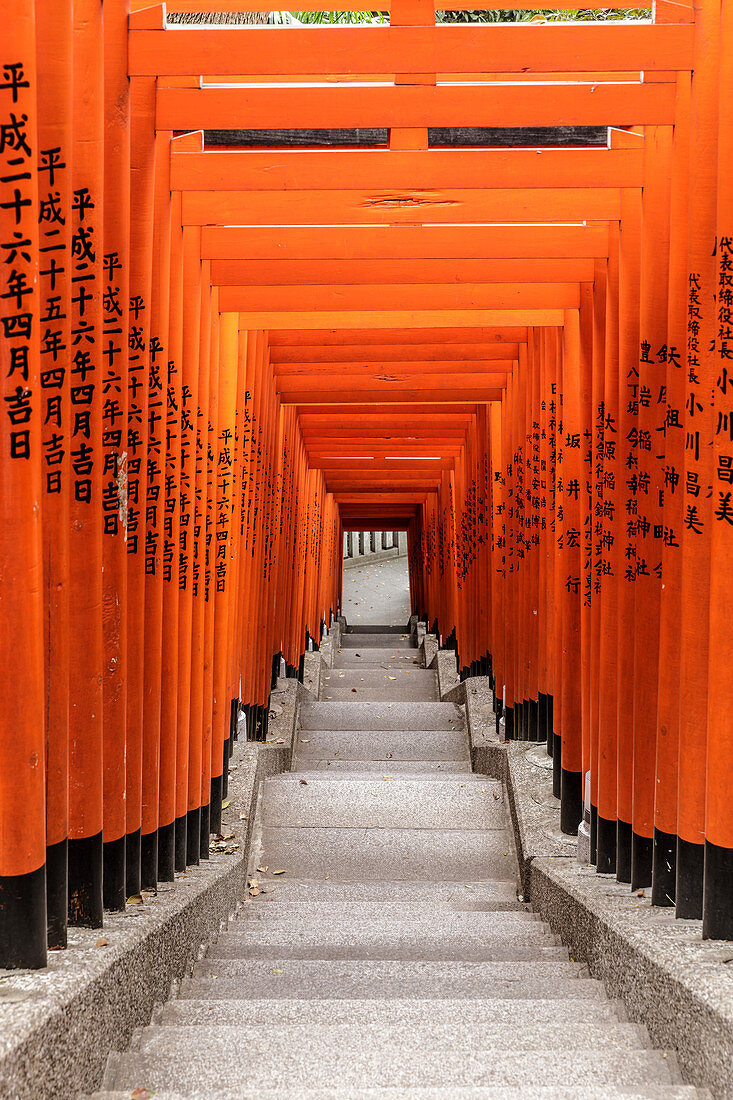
(382, 951)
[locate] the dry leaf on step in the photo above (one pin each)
(279, 872)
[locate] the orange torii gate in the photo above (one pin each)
(219, 352)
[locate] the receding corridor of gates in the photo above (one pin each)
(264, 287)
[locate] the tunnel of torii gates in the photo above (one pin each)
(220, 351)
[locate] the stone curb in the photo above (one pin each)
(58, 1025)
(679, 986)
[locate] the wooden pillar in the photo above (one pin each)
(54, 33)
(85, 548)
(22, 737)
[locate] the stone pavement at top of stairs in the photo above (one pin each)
(382, 951)
(377, 592)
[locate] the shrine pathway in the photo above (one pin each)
(383, 951)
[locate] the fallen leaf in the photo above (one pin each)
(305, 740)
(641, 894)
(388, 778)
(304, 782)
(354, 690)
(254, 892)
(225, 804)
(135, 899)
(262, 870)
(253, 882)
(103, 942)
(280, 741)
(279, 872)
(391, 677)
(141, 1094)
(243, 817)
(276, 971)
(389, 755)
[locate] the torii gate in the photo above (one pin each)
(516, 354)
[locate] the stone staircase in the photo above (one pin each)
(391, 957)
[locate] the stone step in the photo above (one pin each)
(499, 1092)
(405, 745)
(380, 1033)
(308, 979)
(367, 767)
(406, 802)
(360, 628)
(486, 1014)
(386, 716)
(217, 1067)
(381, 640)
(425, 950)
(458, 854)
(389, 658)
(376, 684)
(270, 904)
(352, 921)
(434, 895)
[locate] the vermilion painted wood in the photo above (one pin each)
(359, 242)
(336, 170)
(295, 340)
(53, 44)
(244, 272)
(507, 48)
(348, 357)
(358, 319)
(85, 550)
(387, 207)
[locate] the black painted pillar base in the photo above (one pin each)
(717, 915)
(215, 805)
(623, 851)
(225, 769)
(664, 868)
(205, 817)
(275, 670)
(509, 723)
(181, 843)
(113, 875)
(641, 861)
(571, 801)
(166, 852)
(133, 882)
(556, 764)
(606, 846)
(23, 924)
(499, 709)
(234, 720)
(551, 724)
(536, 731)
(301, 667)
(690, 875)
(542, 719)
(193, 837)
(57, 893)
(149, 860)
(593, 833)
(85, 882)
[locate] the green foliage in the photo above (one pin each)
(510, 15)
